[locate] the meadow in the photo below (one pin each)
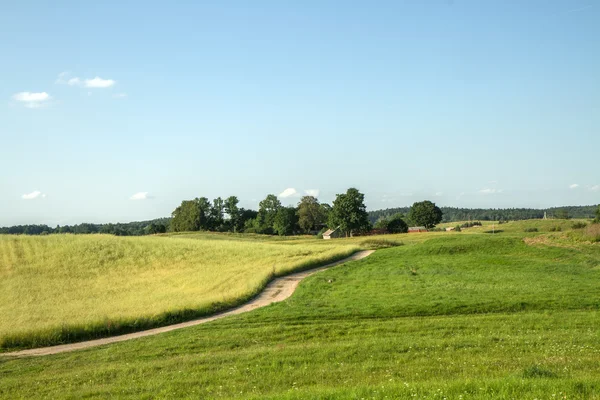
(62, 288)
(459, 315)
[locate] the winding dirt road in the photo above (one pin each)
(278, 290)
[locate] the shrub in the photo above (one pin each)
(375, 244)
(555, 228)
(457, 228)
(530, 230)
(592, 233)
(578, 225)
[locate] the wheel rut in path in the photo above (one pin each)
(277, 290)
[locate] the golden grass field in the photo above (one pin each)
(61, 288)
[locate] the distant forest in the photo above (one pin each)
(452, 214)
(137, 228)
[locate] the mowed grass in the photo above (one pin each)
(61, 288)
(456, 316)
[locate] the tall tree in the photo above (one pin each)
(266, 213)
(425, 213)
(597, 220)
(233, 211)
(186, 217)
(217, 211)
(310, 213)
(286, 221)
(349, 213)
(204, 208)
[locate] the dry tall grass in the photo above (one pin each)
(62, 288)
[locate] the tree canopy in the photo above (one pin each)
(349, 213)
(425, 213)
(311, 214)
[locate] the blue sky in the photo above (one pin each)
(117, 111)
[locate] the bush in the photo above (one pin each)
(555, 228)
(375, 244)
(530, 230)
(578, 225)
(592, 233)
(457, 228)
(397, 225)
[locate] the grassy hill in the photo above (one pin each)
(459, 315)
(61, 288)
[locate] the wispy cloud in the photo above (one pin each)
(120, 95)
(438, 194)
(490, 191)
(140, 196)
(574, 186)
(594, 188)
(312, 192)
(32, 99)
(33, 195)
(64, 78)
(289, 192)
(579, 9)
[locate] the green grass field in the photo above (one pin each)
(468, 315)
(61, 288)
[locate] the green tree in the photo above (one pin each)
(396, 224)
(425, 213)
(382, 224)
(217, 211)
(311, 214)
(266, 214)
(286, 221)
(186, 217)
(597, 220)
(233, 211)
(349, 213)
(561, 213)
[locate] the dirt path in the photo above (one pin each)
(278, 290)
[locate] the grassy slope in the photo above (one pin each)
(62, 288)
(471, 315)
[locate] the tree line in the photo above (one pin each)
(136, 228)
(453, 214)
(347, 212)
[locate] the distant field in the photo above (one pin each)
(61, 288)
(464, 315)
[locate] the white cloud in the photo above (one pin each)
(98, 82)
(490, 191)
(140, 196)
(312, 192)
(594, 188)
(120, 95)
(573, 186)
(31, 99)
(438, 194)
(33, 195)
(289, 192)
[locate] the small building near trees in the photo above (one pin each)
(331, 233)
